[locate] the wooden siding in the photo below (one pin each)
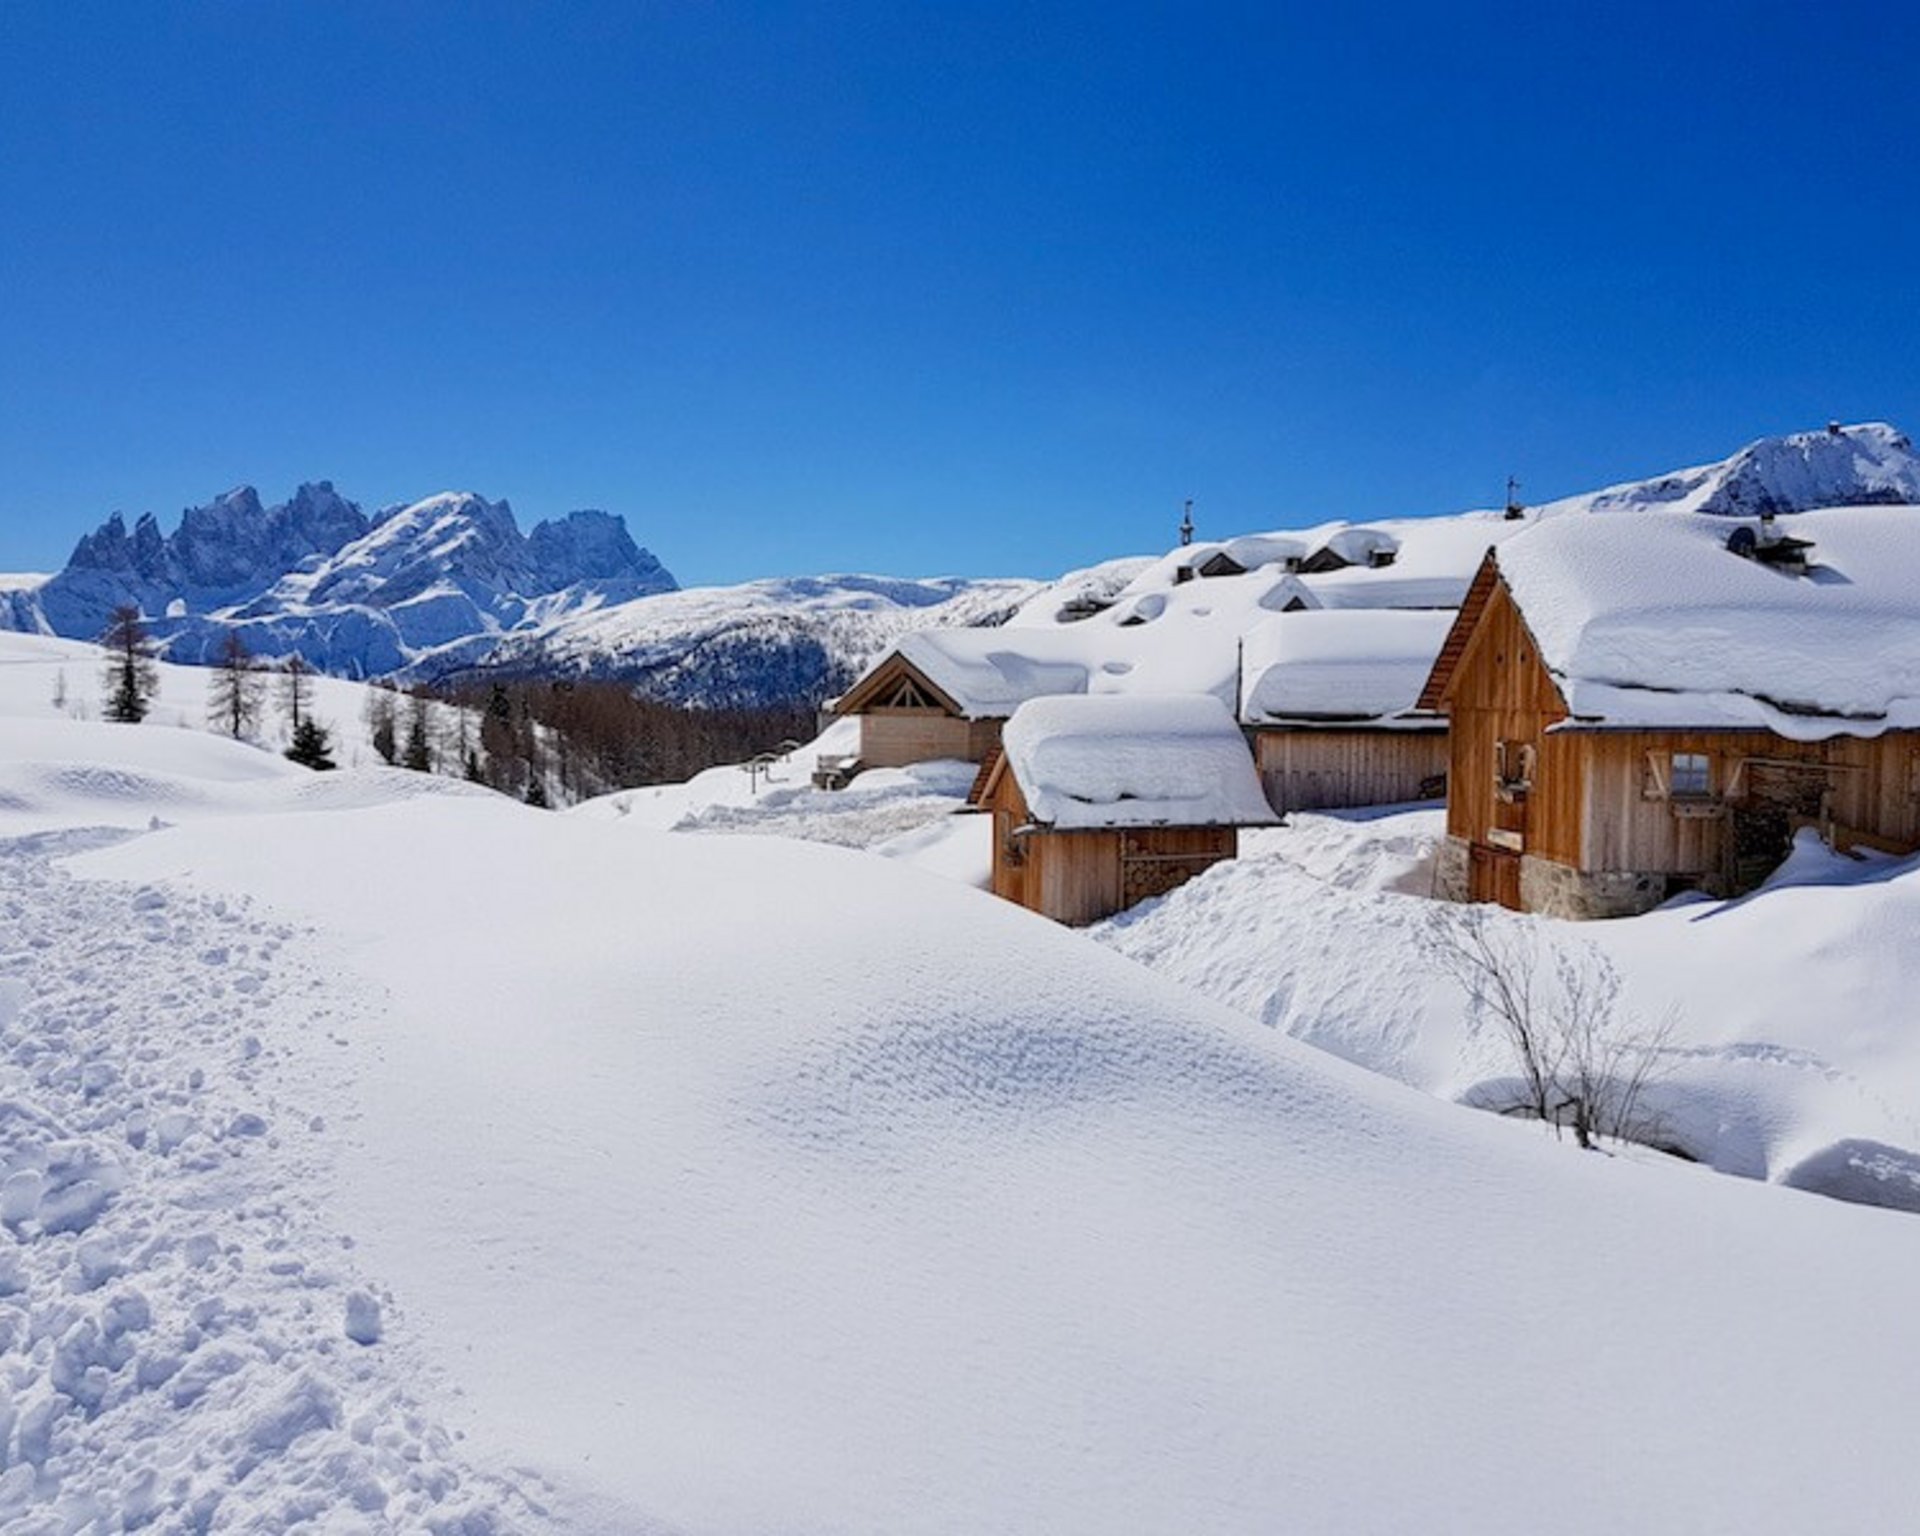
(1600, 801)
(1328, 768)
(1498, 690)
(1634, 823)
(1081, 877)
(891, 738)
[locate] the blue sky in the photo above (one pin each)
(956, 288)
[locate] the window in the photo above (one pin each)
(1690, 776)
(1512, 769)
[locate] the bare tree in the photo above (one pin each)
(235, 695)
(296, 690)
(1583, 1062)
(131, 678)
(60, 690)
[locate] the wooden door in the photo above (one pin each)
(1493, 874)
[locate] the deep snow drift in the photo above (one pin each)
(1793, 1055)
(728, 1184)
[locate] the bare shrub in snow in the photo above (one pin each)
(1583, 1062)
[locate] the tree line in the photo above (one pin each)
(539, 740)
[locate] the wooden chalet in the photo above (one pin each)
(1327, 698)
(945, 693)
(1100, 801)
(1640, 705)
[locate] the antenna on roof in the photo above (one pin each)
(1186, 524)
(1514, 510)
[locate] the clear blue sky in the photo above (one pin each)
(936, 288)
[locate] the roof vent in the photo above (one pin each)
(1767, 545)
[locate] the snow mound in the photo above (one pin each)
(1134, 760)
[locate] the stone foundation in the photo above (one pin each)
(1554, 890)
(1450, 870)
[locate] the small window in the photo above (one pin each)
(1690, 776)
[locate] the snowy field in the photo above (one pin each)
(383, 1155)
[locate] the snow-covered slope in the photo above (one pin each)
(44, 680)
(450, 1166)
(1792, 1058)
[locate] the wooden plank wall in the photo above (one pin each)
(1875, 789)
(1502, 692)
(1324, 769)
(892, 738)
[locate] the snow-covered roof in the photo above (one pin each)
(1166, 634)
(1133, 760)
(1654, 623)
(1338, 665)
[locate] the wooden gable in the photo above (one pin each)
(897, 684)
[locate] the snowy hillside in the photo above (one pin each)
(44, 679)
(437, 1164)
(1792, 1057)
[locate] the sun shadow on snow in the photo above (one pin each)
(1862, 1172)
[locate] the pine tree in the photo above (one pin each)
(312, 745)
(537, 793)
(475, 773)
(234, 696)
(419, 753)
(131, 678)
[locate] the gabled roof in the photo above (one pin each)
(1133, 760)
(1329, 665)
(1652, 623)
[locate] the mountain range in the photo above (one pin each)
(449, 585)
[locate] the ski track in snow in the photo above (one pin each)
(183, 1342)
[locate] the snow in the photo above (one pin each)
(1133, 760)
(1659, 625)
(438, 1164)
(1338, 665)
(1165, 635)
(1791, 1059)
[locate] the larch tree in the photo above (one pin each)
(236, 694)
(131, 679)
(296, 690)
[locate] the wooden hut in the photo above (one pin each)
(945, 693)
(1640, 705)
(1100, 801)
(1328, 696)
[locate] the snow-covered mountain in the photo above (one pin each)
(755, 645)
(1866, 465)
(416, 588)
(449, 585)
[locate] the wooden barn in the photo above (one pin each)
(945, 693)
(1100, 801)
(1643, 705)
(1328, 696)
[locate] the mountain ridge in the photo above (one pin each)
(447, 585)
